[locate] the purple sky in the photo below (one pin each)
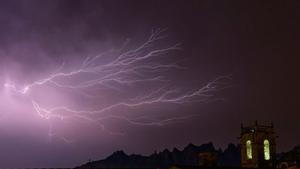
(81, 79)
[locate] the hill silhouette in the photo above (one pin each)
(189, 156)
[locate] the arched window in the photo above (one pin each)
(267, 149)
(249, 149)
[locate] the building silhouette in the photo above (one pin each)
(258, 146)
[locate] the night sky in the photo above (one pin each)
(76, 86)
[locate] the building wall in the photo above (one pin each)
(257, 134)
(208, 159)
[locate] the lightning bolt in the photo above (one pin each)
(124, 68)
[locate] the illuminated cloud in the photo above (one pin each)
(108, 82)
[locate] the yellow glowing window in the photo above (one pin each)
(249, 149)
(267, 149)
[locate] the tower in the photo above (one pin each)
(258, 146)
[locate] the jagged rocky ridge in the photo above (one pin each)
(188, 156)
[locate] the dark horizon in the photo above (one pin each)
(219, 64)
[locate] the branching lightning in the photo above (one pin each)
(124, 69)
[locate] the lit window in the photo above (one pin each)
(249, 149)
(267, 149)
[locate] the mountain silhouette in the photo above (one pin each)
(189, 156)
